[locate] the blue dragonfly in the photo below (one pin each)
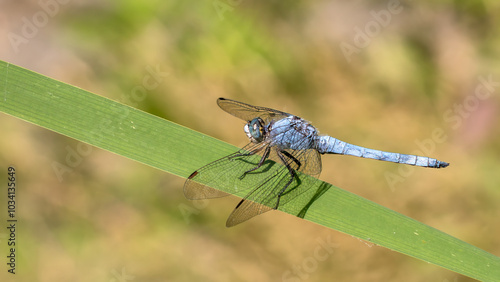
(282, 148)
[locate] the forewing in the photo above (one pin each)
(264, 197)
(194, 190)
(219, 173)
(248, 112)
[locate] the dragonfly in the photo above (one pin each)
(282, 148)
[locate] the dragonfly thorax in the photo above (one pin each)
(255, 130)
(293, 133)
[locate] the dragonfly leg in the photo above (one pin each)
(292, 158)
(264, 157)
(246, 154)
(293, 174)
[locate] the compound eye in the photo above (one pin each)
(255, 129)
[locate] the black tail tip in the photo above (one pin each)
(440, 164)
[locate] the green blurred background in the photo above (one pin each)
(414, 68)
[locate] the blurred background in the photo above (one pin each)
(397, 76)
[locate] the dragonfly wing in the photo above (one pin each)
(248, 112)
(219, 173)
(263, 197)
(269, 192)
(244, 211)
(196, 191)
(309, 160)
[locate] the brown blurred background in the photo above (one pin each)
(382, 74)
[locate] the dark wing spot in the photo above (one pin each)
(193, 175)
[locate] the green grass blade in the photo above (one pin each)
(140, 136)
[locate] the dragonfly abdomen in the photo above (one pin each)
(330, 145)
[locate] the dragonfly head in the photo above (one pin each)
(255, 130)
